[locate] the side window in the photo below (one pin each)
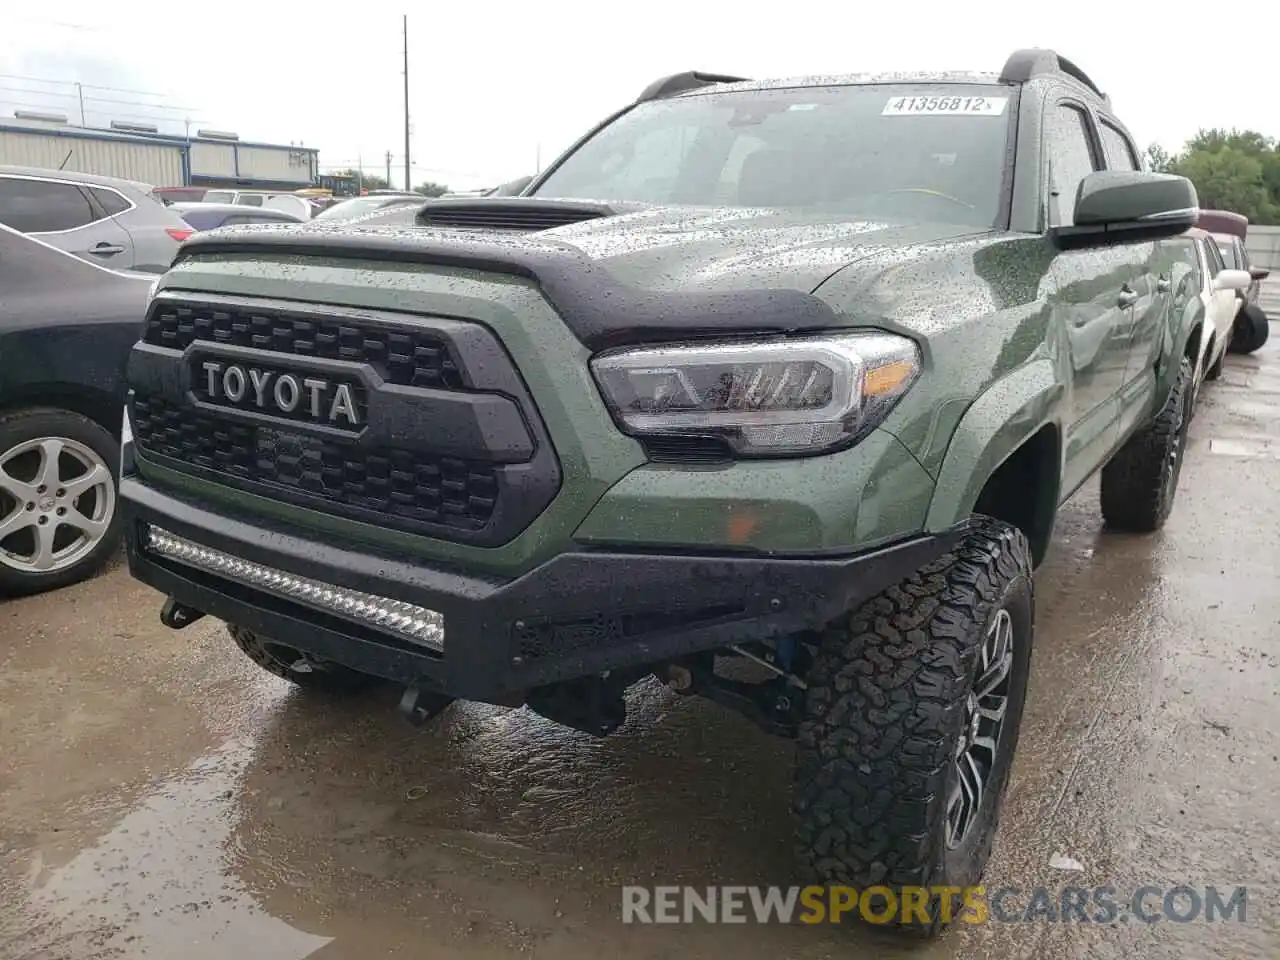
(1071, 159)
(250, 200)
(1213, 257)
(1116, 147)
(111, 201)
(42, 206)
(1242, 255)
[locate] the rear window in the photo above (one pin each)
(203, 219)
(219, 196)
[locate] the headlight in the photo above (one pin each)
(765, 398)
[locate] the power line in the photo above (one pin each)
(91, 99)
(87, 86)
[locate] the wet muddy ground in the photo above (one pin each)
(161, 797)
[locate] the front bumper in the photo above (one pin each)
(576, 615)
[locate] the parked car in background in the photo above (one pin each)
(120, 224)
(208, 216)
(66, 328)
(181, 194)
(299, 206)
(359, 206)
(1251, 327)
(1212, 289)
(512, 188)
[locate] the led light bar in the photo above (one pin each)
(406, 620)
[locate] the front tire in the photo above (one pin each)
(290, 664)
(1140, 482)
(58, 518)
(911, 721)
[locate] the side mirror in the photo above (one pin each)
(1231, 279)
(1259, 273)
(1122, 206)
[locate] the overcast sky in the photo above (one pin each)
(496, 85)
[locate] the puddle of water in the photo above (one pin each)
(156, 884)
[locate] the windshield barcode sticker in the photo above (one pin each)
(945, 106)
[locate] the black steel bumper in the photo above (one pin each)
(573, 616)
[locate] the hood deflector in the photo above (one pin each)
(600, 310)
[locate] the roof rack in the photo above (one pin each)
(681, 82)
(1022, 65)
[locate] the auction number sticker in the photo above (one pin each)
(945, 106)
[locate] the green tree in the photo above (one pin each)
(1158, 159)
(1236, 170)
(431, 189)
(1228, 179)
(369, 181)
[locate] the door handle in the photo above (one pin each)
(106, 249)
(1126, 299)
(1163, 284)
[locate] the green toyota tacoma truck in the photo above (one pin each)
(769, 389)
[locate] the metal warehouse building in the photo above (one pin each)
(210, 158)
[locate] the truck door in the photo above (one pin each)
(1093, 299)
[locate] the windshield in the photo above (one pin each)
(356, 207)
(911, 152)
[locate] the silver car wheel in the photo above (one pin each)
(57, 500)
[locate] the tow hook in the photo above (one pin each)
(175, 615)
(418, 705)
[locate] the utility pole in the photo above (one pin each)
(80, 94)
(359, 175)
(388, 169)
(407, 183)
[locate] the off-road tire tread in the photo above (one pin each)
(884, 708)
(335, 679)
(1133, 481)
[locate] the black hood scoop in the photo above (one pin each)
(508, 214)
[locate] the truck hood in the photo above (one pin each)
(626, 274)
(669, 249)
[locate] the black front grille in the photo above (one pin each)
(394, 484)
(406, 357)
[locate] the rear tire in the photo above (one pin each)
(282, 661)
(889, 742)
(1251, 329)
(1140, 482)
